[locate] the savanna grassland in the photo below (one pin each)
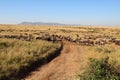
(91, 53)
(20, 56)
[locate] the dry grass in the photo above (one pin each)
(16, 55)
(99, 52)
(60, 30)
(35, 47)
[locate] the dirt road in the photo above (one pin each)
(64, 67)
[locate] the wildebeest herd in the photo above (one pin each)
(86, 36)
(87, 40)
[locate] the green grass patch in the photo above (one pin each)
(101, 70)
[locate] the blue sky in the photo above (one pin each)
(84, 12)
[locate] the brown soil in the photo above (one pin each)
(64, 67)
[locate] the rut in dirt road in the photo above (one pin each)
(64, 67)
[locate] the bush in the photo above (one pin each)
(101, 70)
(4, 45)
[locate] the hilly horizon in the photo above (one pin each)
(48, 23)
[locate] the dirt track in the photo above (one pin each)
(64, 67)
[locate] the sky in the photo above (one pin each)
(83, 12)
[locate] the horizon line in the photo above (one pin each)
(73, 24)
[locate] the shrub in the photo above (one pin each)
(101, 70)
(4, 45)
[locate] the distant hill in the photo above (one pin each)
(51, 24)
